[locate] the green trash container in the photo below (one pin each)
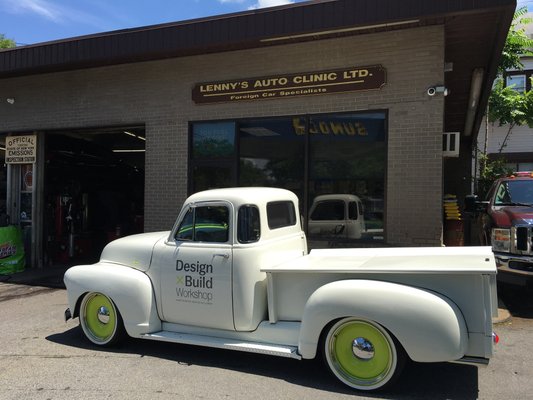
(12, 257)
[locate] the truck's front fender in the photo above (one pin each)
(429, 326)
(131, 291)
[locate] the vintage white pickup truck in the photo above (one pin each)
(235, 273)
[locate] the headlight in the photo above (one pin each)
(501, 240)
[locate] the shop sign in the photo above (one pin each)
(286, 86)
(21, 149)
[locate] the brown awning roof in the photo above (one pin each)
(475, 34)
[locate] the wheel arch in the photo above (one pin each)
(129, 289)
(428, 326)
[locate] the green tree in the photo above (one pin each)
(6, 43)
(508, 106)
(517, 43)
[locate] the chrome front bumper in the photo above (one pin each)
(514, 268)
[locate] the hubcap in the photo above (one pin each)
(103, 315)
(363, 349)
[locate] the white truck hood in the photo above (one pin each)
(134, 251)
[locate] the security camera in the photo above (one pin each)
(433, 90)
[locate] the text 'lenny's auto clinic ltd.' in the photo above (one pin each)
(302, 84)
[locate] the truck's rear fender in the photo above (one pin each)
(131, 291)
(430, 327)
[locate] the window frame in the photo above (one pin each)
(292, 221)
(240, 239)
(194, 208)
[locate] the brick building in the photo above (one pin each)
(318, 97)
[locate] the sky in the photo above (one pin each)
(36, 21)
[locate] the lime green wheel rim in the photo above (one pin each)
(98, 318)
(361, 353)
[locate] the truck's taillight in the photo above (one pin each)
(495, 338)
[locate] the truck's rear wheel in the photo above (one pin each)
(100, 320)
(362, 354)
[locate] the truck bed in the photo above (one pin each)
(465, 275)
(404, 260)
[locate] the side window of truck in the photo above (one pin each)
(280, 214)
(248, 224)
(329, 210)
(205, 224)
(502, 195)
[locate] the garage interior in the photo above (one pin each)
(93, 191)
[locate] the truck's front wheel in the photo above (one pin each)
(362, 354)
(100, 320)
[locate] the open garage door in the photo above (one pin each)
(93, 191)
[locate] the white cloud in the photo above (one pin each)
(270, 3)
(52, 12)
(39, 7)
(259, 3)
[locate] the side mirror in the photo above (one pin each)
(473, 205)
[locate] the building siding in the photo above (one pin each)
(158, 95)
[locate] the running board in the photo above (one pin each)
(222, 343)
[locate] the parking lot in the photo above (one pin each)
(43, 357)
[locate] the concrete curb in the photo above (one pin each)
(503, 316)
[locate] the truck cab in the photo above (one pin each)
(218, 246)
(505, 222)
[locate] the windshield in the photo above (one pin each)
(514, 193)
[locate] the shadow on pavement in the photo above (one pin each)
(435, 381)
(51, 277)
(517, 299)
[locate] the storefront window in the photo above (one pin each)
(213, 155)
(347, 160)
(335, 163)
(271, 153)
(213, 140)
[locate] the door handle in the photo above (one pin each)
(223, 255)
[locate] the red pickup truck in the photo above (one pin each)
(505, 222)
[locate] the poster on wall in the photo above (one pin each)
(21, 149)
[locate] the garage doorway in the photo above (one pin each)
(93, 191)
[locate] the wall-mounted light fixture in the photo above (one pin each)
(10, 100)
(341, 30)
(129, 151)
(473, 99)
(134, 135)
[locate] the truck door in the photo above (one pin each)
(196, 269)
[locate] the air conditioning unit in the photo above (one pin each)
(450, 144)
